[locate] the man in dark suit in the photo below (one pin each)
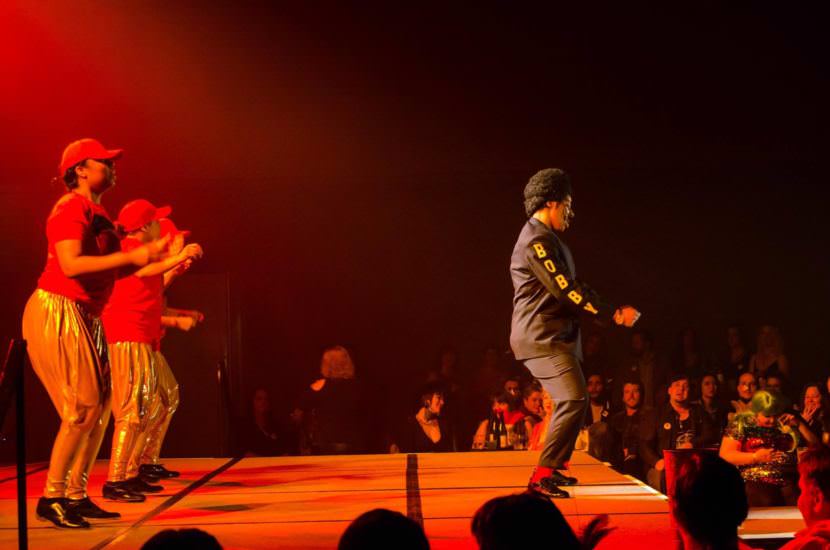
(548, 302)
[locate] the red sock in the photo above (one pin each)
(540, 472)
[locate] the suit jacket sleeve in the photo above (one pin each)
(550, 271)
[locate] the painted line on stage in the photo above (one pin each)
(30, 472)
(166, 504)
(413, 491)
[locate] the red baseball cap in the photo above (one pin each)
(83, 149)
(138, 213)
(169, 228)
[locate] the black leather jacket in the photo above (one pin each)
(548, 299)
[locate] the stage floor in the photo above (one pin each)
(307, 502)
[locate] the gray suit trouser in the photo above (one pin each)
(562, 378)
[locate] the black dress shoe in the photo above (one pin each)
(138, 485)
(561, 479)
(158, 470)
(88, 509)
(548, 488)
(57, 511)
(148, 478)
(119, 491)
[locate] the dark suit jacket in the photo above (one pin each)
(548, 299)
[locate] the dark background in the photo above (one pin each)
(357, 173)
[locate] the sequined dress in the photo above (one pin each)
(752, 438)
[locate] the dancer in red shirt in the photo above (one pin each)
(132, 322)
(63, 330)
(145, 461)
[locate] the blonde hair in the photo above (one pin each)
(337, 363)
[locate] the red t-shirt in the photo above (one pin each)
(77, 218)
(133, 313)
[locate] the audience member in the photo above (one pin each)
(814, 501)
(532, 407)
(747, 386)
(499, 405)
(709, 505)
(680, 425)
(333, 408)
(537, 436)
(260, 434)
(456, 412)
(762, 443)
(769, 356)
(811, 407)
(595, 438)
(380, 529)
(736, 358)
(641, 365)
(689, 357)
(182, 539)
(711, 402)
(426, 431)
(514, 521)
(595, 356)
(625, 428)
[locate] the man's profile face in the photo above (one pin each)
(561, 213)
(512, 387)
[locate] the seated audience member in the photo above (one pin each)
(680, 425)
(182, 539)
(260, 434)
(540, 430)
(762, 443)
(532, 407)
(514, 521)
(625, 430)
(446, 374)
(426, 431)
(595, 357)
(709, 505)
(641, 365)
(380, 529)
(811, 408)
(596, 431)
(814, 500)
(711, 402)
(736, 358)
(333, 409)
(513, 391)
(777, 382)
(689, 358)
(769, 357)
(746, 388)
(499, 405)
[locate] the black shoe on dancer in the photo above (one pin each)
(547, 487)
(57, 511)
(119, 491)
(158, 471)
(148, 478)
(138, 485)
(561, 479)
(86, 508)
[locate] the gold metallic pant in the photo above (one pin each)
(148, 447)
(134, 390)
(68, 353)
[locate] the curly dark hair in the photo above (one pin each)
(550, 184)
